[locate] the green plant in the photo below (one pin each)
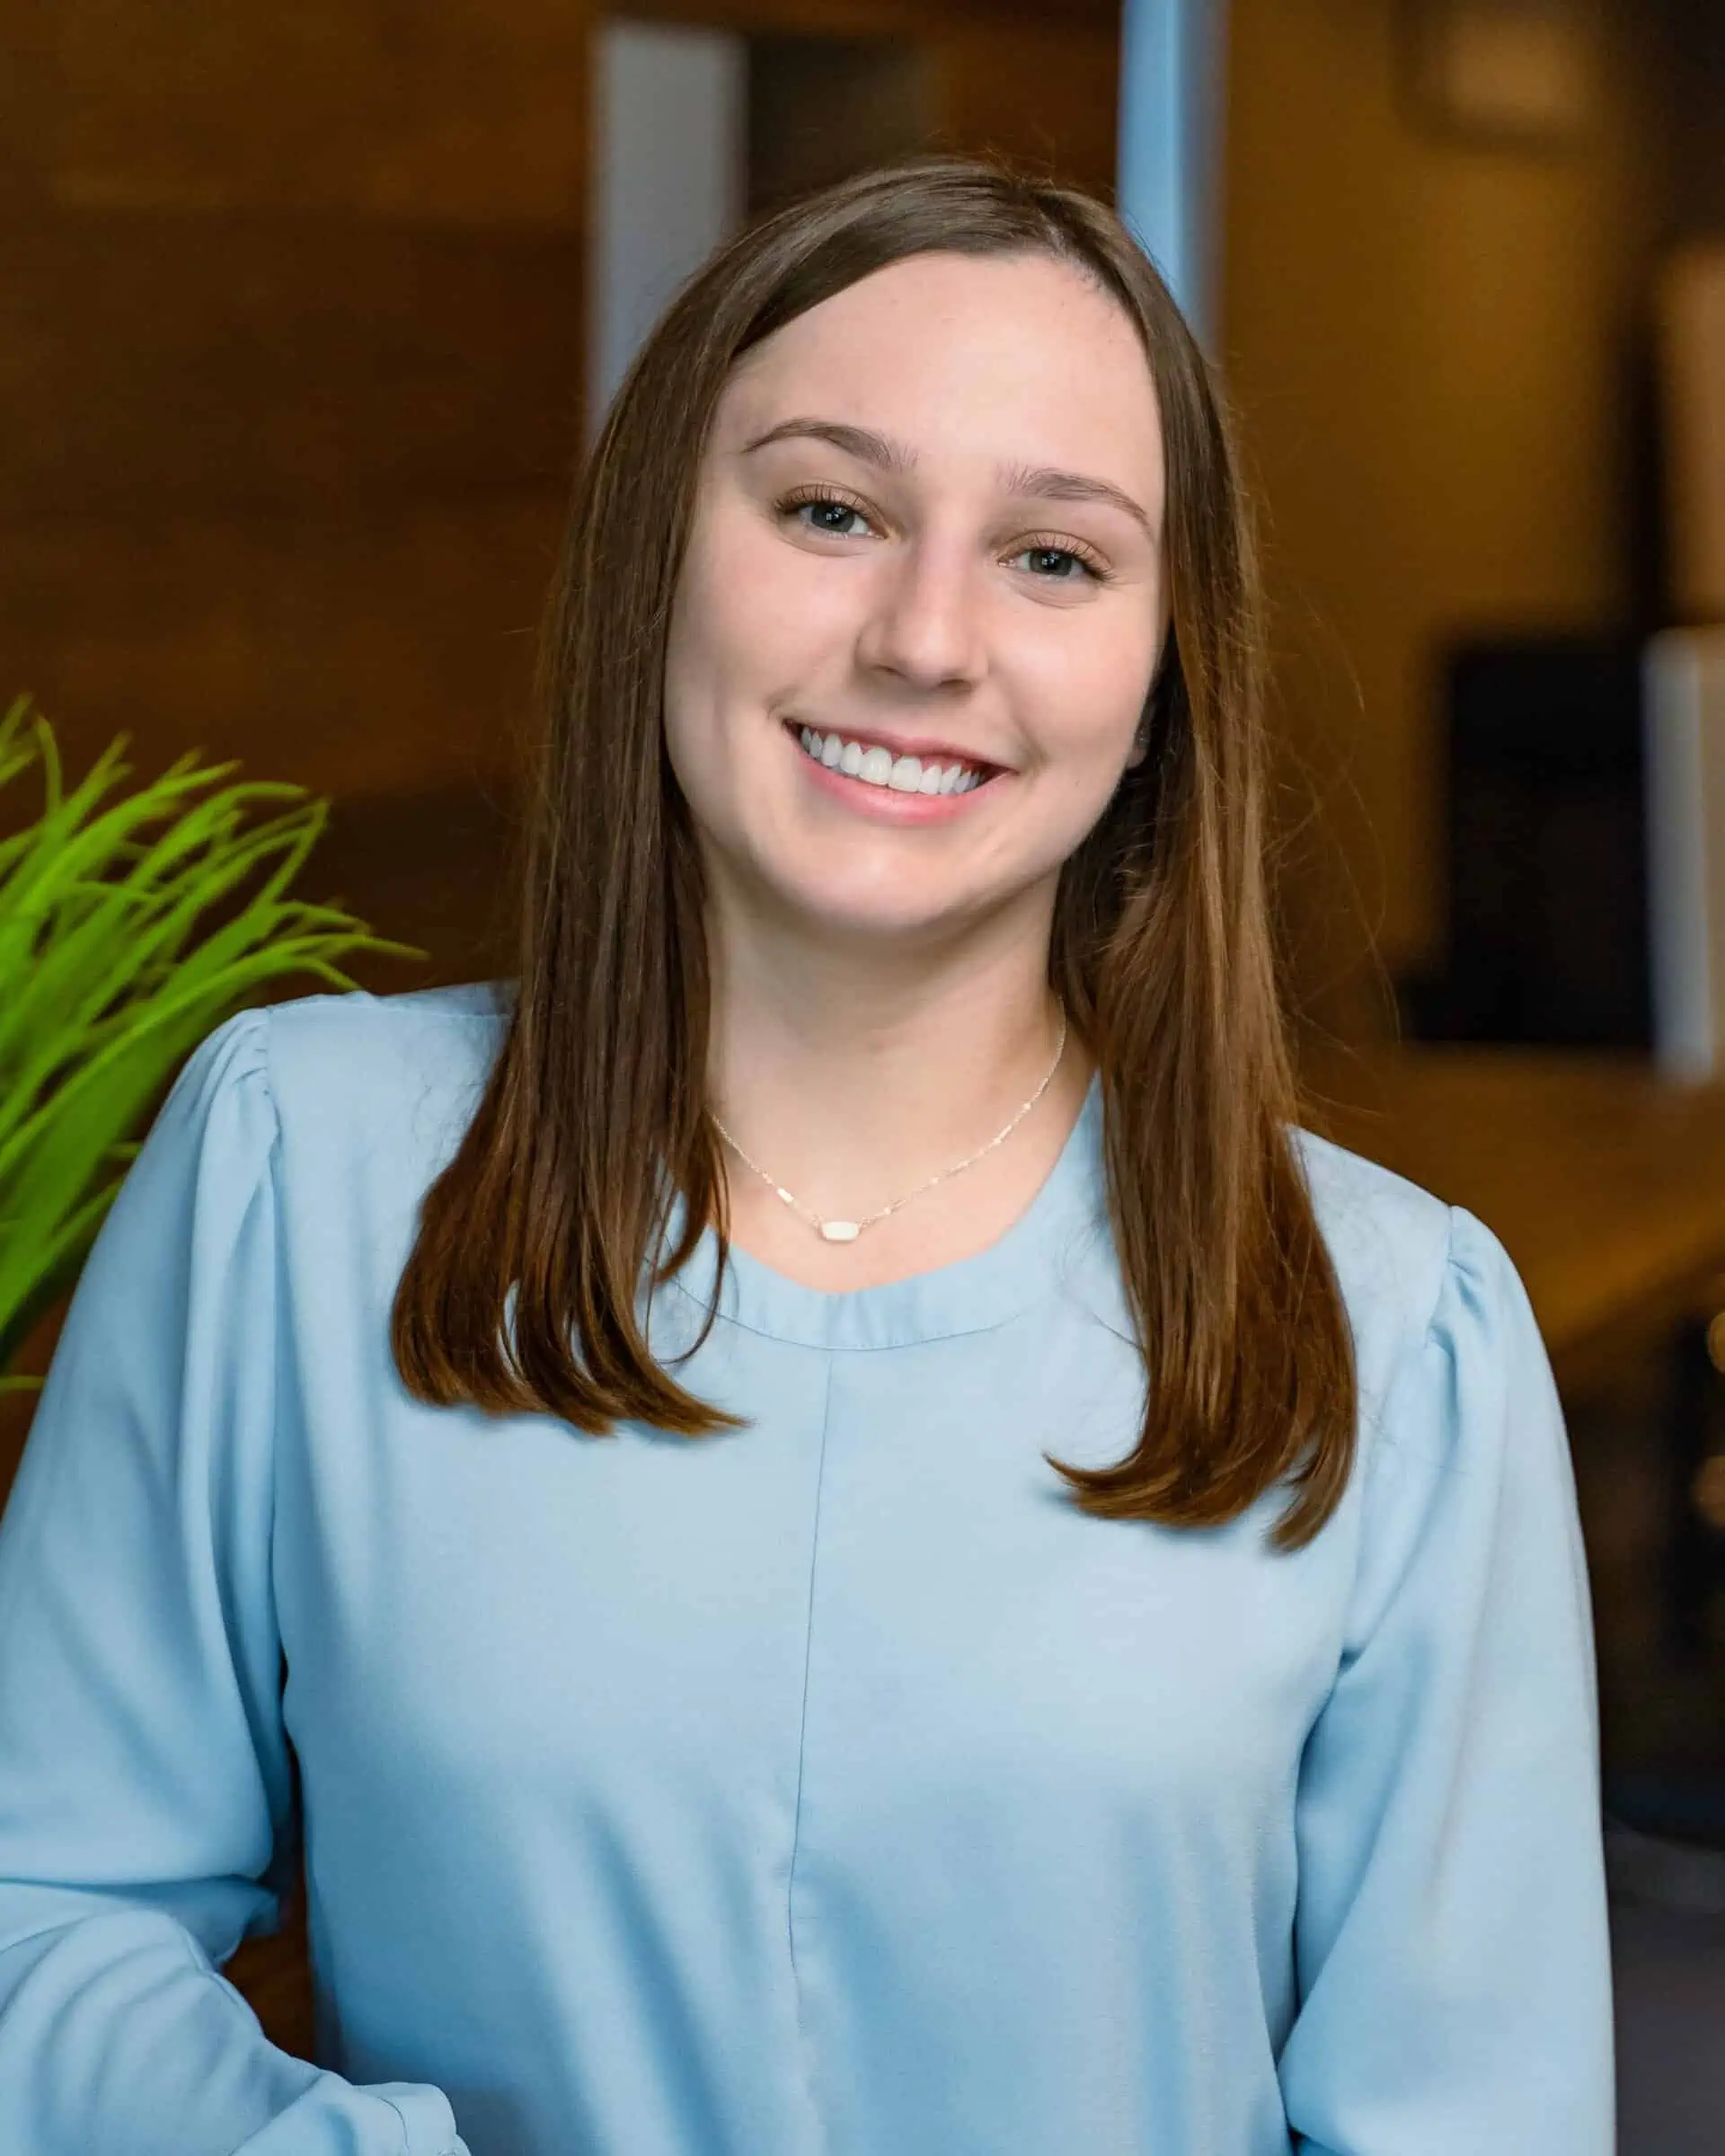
(111, 968)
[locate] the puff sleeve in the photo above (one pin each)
(145, 1775)
(1451, 1941)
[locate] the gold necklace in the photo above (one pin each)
(847, 1231)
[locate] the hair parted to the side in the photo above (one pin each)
(521, 1292)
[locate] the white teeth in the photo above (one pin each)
(878, 766)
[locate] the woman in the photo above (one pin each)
(872, 1553)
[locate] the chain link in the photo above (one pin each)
(857, 1226)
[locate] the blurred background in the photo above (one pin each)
(306, 316)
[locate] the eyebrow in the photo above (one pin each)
(1044, 482)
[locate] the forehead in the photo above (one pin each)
(1021, 357)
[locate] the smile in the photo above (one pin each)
(876, 766)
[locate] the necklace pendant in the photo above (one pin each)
(841, 1230)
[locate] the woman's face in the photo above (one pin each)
(925, 550)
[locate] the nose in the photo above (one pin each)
(923, 624)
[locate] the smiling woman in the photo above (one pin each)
(823, 498)
(1113, 1675)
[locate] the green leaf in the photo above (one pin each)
(110, 972)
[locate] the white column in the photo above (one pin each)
(669, 147)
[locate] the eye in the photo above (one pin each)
(827, 512)
(1061, 564)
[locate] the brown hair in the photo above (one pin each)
(536, 1234)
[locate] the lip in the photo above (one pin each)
(922, 745)
(884, 804)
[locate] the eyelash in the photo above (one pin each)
(834, 498)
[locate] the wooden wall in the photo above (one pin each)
(292, 311)
(1435, 346)
(291, 320)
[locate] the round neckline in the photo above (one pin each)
(970, 1294)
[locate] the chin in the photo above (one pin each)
(852, 911)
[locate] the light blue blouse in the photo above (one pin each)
(829, 1787)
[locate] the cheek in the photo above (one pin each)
(749, 620)
(1088, 691)
(697, 657)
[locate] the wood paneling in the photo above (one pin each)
(27, 99)
(820, 106)
(472, 110)
(150, 361)
(290, 357)
(382, 648)
(437, 869)
(1046, 95)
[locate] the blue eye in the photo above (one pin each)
(1046, 564)
(829, 514)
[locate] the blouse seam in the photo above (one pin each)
(1385, 1438)
(1451, 1213)
(1425, 1337)
(802, 1734)
(913, 1339)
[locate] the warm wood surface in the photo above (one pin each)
(268, 365)
(289, 362)
(1606, 1183)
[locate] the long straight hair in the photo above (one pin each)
(521, 1292)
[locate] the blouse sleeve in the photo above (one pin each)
(1450, 1940)
(145, 1774)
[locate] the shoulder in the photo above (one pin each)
(1391, 1244)
(352, 1078)
(1438, 1309)
(1388, 1238)
(359, 1047)
(391, 1077)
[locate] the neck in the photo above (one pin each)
(850, 1072)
